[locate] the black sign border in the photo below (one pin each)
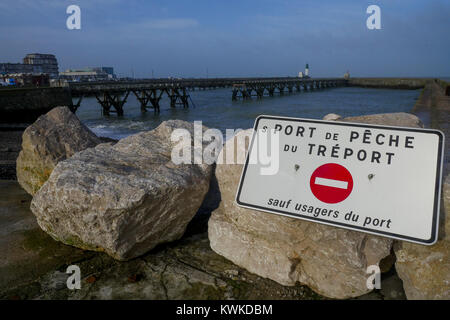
(438, 184)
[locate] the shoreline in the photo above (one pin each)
(433, 116)
(28, 103)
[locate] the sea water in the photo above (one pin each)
(216, 109)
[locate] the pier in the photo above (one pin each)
(268, 87)
(26, 103)
(112, 95)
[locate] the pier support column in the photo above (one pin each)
(143, 97)
(118, 102)
(74, 107)
(155, 97)
(149, 96)
(108, 100)
(234, 95)
(172, 97)
(177, 98)
(260, 92)
(184, 98)
(104, 101)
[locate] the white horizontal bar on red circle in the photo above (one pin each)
(331, 183)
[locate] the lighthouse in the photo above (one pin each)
(307, 71)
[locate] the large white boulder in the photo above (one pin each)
(125, 198)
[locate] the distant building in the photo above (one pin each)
(13, 68)
(34, 63)
(26, 79)
(47, 63)
(88, 74)
(107, 70)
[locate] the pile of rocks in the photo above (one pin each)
(123, 198)
(329, 260)
(127, 197)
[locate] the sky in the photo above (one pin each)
(233, 38)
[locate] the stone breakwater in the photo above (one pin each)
(389, 83)
(127, 197)
(433, 105)
(436, 94)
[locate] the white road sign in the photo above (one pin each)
(370, 178)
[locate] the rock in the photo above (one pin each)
(425, 270)
(392, 288)
(444, 226)
(387, 263)
(54, 137)
(332, 117)
(331, 261)
(399, 119)
(125, 198)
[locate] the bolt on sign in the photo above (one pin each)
(376, 179)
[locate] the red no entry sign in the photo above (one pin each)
(331, 183)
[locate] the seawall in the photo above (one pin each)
(433, 107)
(435, 94)
(26, 104)
(389, 83)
